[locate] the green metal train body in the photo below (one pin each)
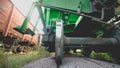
(69, 18)
(80, 18)
(76, 23)
(80, 24)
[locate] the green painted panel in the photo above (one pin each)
(73, 18)
(70, 4)
(52, 14)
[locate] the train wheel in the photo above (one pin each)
(59, 43)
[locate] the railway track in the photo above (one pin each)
(71, 62)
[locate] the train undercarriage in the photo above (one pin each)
(61, 43)
(97, 30)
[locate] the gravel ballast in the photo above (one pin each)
(71, 62)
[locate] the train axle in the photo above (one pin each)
(63, 43)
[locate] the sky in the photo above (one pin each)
(24, 6)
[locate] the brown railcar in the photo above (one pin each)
(17, 19)
(6, 8)
(11, 17)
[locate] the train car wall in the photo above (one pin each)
(10, 17)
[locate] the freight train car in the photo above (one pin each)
(80, 24)
(10, 17)
(6, 8)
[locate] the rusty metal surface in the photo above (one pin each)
(10, 19)
(5, 12)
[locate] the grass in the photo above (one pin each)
(102, 56)
(3, 56)
(19, 60)
(3, 59)
(10, 60)
(96, 55)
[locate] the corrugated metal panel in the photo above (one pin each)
(5, 11)
(10, 19)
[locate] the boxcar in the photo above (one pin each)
(11, 17)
